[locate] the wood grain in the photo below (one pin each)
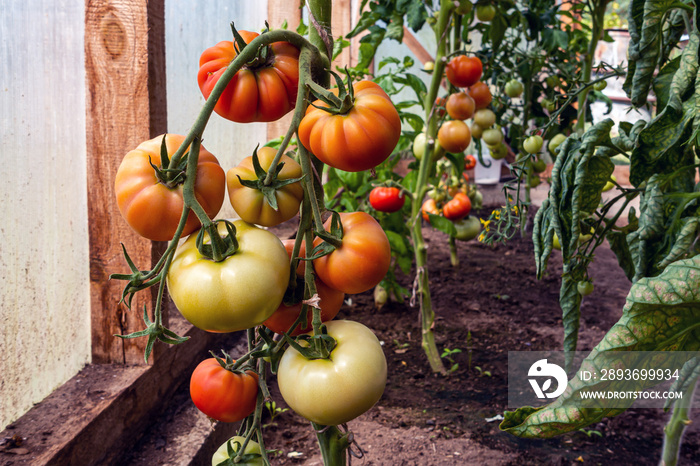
(125, 101)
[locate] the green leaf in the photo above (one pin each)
(441, 223)
(395, 28)
(661, 314)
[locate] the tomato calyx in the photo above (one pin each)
(236, 453)
(268, 183)
(154, 331)
(230, 364)
(317, 346)
(170, 173)
(339, 104)
(264, 56)
(332, 240)
(218, 247)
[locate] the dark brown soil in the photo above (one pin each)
(488, 306)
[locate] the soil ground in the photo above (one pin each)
(491, 304)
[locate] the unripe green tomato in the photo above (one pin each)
(549, 105)
(419, 148)
(492, 136)
(534, 181)
(467, 228)
(533, 144)
(609, 185)
(600, 85)
(555, 242)
(514, 88)
(539, 166)
(498, 152)
(463, 7)
(485, 13)
(553, 81)
(484, 117)
(429, 66)
(555, 142)
(584, 287)
(252, 449)
(477, 131)
(477, 199)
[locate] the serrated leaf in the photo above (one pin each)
(661, 314)
(683, 241)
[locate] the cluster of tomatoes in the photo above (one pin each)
(253, 284)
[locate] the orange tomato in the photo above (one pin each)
(359, 140)
(264, 92)
(481, 94)
(152, 208)
(460, 106)
(362, 260)
(454, 136)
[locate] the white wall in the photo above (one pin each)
(44, 290)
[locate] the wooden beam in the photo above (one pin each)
(126, 104)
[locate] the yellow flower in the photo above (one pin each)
(515, 209)
(481, 237)
(496, 214)
(485, 223)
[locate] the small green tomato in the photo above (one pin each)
(584, 287)
(533, 144)
(555, 142)
(514, 88)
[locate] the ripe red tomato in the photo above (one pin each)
(386, 199)
(458, 207)
(151, 207)
(460, 106)
(258, 92)
(284, 317)
(463, 71)
(221, 394)
(481, 94)
(470, 162)
(359, 140)
(454, 136)
(363, 258)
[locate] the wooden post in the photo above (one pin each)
(126, 104)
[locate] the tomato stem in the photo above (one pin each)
(333, 444)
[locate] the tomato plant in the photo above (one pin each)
(387, 199)
(264, 90)
(330, 301)
(485, 118)
(361, 260)
(238, 293)
(359, 139)
(150, 198)
(485, 12)
(260, 203)
(221, 393)
(334, 391)
(419, 147)
(463, 70)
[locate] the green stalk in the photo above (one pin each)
(333, 444)
(422, 282)
(597, 20)
(673, 432)
(454, 258)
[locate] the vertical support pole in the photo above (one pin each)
(126, 104)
